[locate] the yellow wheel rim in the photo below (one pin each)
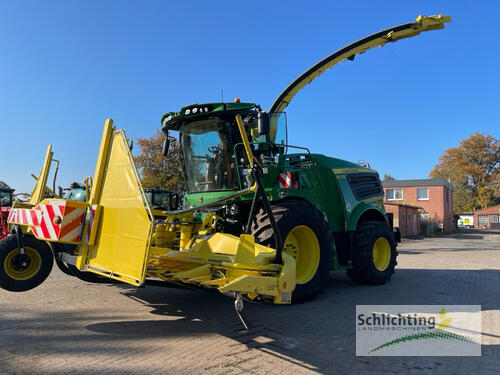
(303, 245)
(381, 254)
(19, 268)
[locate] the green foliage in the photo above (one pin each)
(474, 170)
(156, 170)
(388, 177)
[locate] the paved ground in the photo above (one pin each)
(69, 326)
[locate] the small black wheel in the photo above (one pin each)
(71, 270)
(374, 254)
(21, 272)
(307, 237)
(63, 267)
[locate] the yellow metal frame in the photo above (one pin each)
(132, 242)
(41, 181)
(122, 227)
(97, 217)
(244, 137)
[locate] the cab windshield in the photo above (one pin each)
(5, 198)
(77, 194)
(207, 149)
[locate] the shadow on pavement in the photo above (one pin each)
(315, 335)
(318, 335)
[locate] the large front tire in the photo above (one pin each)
(374, 254)
(18, 272)
(307, 237)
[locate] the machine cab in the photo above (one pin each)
(211, 149)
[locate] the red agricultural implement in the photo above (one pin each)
(6, 199)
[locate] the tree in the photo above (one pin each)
(388, 177)
(474, 170)
(156, 170)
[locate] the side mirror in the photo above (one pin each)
(263, 123)
(166, 146)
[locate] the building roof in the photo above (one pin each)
(488, 210)
(421, 182)
(403, 205)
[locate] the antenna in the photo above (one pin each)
(222, 95)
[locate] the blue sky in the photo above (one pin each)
(65, 66)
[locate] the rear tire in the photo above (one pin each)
(20, 273)
(307, 237)
(374, 254)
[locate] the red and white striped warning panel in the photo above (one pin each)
(72, 224)
(24, 216)
(56, 220)
(285, 180)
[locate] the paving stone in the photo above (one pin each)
(67, 326)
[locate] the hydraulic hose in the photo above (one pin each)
(257, 176)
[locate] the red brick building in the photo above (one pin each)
(433, 195)
(487, 217)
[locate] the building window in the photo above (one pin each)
(482, 220)
(422, 194)
(394, 194)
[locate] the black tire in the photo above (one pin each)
(289, 215)
(71, 270)
(18, 274)
(363, 269)
(63, 267)
(56, 249)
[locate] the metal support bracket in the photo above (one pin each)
(238, 306)
(16, 229)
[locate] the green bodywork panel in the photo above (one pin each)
(322, 181)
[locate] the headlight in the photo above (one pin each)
(167, 120)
